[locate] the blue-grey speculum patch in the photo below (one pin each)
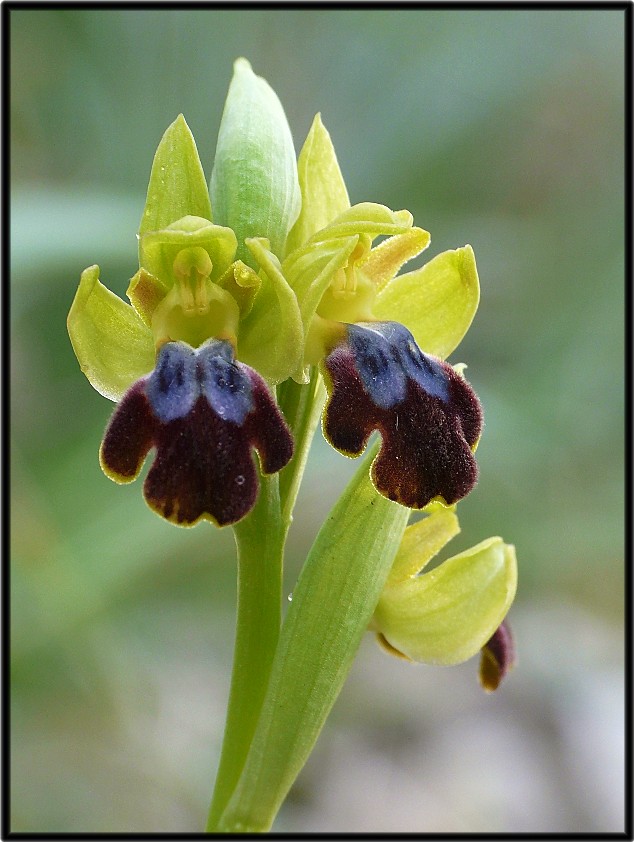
(183, 374)
(226, 387)
(386, 356)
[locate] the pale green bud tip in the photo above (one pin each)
(254, 183)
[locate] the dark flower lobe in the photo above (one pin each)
(203, 467)
(204, 413)
(129, 436)
(429, 418)
(497, 657)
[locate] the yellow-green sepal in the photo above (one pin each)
(112, 344)
(324, 192)
(254, 184)
(445, 616)
(311, 268)
(177, 184)
(271, 337)
(422, 541)
(436, 303)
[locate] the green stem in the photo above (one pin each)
(260, 540)
(302, 406)
(260, 544)
(333, 601)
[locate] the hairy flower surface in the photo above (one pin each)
(497, 657)
(428, 416)
(202, 411)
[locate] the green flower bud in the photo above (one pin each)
(447, 615)
(254, 183)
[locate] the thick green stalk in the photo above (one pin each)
(302, 406)
(260, 544)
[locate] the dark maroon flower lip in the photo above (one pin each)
(428, 416)
(204, 412)
(497, 657)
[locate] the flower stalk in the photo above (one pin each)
(302, 406)
(260, 550)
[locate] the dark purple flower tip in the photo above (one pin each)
(497, 657)
(428, 415)
(203, 412)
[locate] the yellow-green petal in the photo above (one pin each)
(177, 185)
(113, 346)
(271, 337)
(324, 193)
(446, 616)
(243, 284)
(146, 292)
(436, 303)
(384, 261)
(422, 541)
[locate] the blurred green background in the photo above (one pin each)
(499, 128)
